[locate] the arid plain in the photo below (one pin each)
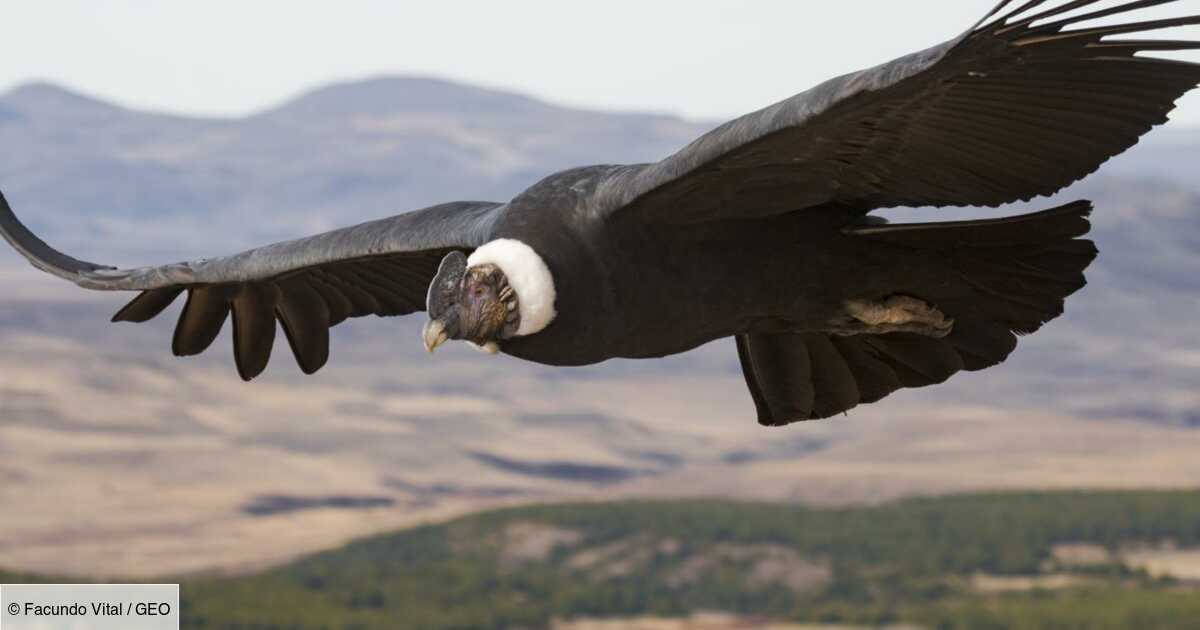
(120, 461)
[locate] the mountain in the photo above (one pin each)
(176, 465)
(337, 155)
(390, 96)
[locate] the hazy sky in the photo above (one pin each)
(699, 58)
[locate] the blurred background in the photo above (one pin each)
(1057, 490)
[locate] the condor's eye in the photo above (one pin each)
(479, 291)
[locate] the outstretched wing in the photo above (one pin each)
(1027, 102)
(380, 268)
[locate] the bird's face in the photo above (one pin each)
(473, 304)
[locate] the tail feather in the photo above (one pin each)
(997, 278)
(1048, 226)
(1014, 271)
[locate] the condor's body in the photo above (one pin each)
(641, 291)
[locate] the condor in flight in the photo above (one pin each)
(759, 230)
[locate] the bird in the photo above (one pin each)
(765, 229)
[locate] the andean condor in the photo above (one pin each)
(758, 230)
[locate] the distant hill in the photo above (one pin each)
(154, 184)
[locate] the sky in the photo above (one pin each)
(702, 59)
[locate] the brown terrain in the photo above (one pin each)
(121, 461)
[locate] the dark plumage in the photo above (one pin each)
(757, 230)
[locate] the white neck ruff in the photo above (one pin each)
(528, 276)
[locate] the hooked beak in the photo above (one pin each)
(434, 334)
